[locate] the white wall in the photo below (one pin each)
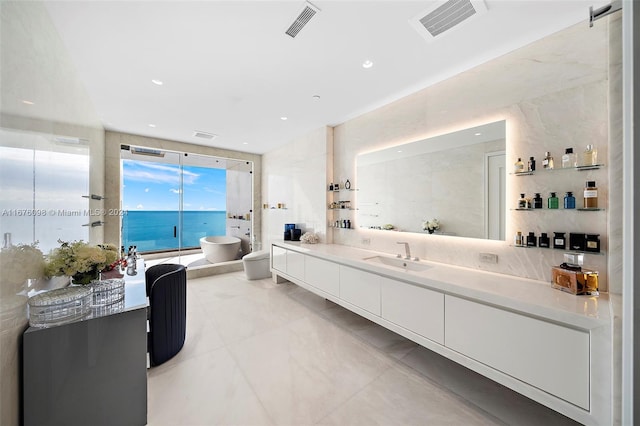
(296, 175)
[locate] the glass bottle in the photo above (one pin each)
(552, 201)
(547, 163)
(532, 240)
(569, 159)
(531, 164)
(537, 201)
(591, 195)
(543, 240)
(518, 239)
(569, 201)
(590, 156)
(519, 166)
(522, 202)
(559, 240)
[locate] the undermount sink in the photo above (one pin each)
(407, 265)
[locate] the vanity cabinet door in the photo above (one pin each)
(417, 309)
(295, 264)
(548, 356)
(322, 274)
(279, 259)
(360, 288)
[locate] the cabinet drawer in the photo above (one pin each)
(279, 258)
(415, 308)
(548, 356)
(360, 288)
(322, 274)
(295, 264)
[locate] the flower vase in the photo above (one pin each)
(431, 230)
(84, 278)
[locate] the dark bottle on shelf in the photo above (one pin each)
(559, 241)
(592, 243)
(537, 201)
(531, 165)
(532, 240)
(552, 201)
(543, 241)
(569, 201)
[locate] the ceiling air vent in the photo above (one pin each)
(303, 18)
(445, 15)
(204, 135)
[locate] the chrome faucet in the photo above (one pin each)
(407, 250)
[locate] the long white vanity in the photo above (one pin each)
(550, 346)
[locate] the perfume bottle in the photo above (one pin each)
(347, 184)
(522, 202)
(519, 166)
(569, 159)
(552, 201)
(537, 201)
(592, 243)
(532, 240)
(590, 156)
(543, 241)
(519, 241)
(547, 163)
(591, 195)
(569, 201)
(559, 241)
(531, 164)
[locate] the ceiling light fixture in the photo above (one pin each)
(478, 134)
(283, 118)
(27, 102)
(316, 97)
(152, 125)
(367, 64)
(157, 82)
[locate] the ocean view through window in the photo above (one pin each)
(171, 206)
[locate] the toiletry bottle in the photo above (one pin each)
(331, 186)
(552, 201)
(590, 156)
(349, 223)
(347, 184)
(532, 240)
(531, 164)
(519, 166)
(569, 159)
(592, 243)
(518, 239)
(577, 241)
(522, 202)
(543, 241)
(547, 163)
(591, 195)
(559, 241)
(569, 201)
(537, 201)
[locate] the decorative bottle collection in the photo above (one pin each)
(590, 199)
(569, 160)
(580, 242)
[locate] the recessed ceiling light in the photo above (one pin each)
(367, 64)
(316, 97)
(245, 143)
(478, 134)
(399, 150)
(157, 82)
(152, 125)
(27, 102)
(283, 118)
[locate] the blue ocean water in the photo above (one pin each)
(154, 230)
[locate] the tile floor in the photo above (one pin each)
(258, 353)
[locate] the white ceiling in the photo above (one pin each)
(229, 68)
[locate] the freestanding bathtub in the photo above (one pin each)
(220, 249)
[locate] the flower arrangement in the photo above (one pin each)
(19, 263)
(80, 260)
(388, 227)
(309, 238)
(431, 225)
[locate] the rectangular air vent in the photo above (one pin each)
(303, 18)
(146, 151)
(204, 135)
(443, 16)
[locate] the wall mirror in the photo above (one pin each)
(457, 178)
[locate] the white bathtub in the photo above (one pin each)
(220, 249)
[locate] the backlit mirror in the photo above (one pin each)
(457, 178)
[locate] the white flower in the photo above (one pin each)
(309, 238)
(431, 225)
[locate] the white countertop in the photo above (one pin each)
(534, 298)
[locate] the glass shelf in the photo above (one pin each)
(338, 208)
(599, 253)
(581, 209)
(578, 168)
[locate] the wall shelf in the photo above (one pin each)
(567, 210)
(578, 168)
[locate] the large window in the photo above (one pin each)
(171, 206)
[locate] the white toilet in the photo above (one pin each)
(256, 265)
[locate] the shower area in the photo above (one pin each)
(180, 207)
